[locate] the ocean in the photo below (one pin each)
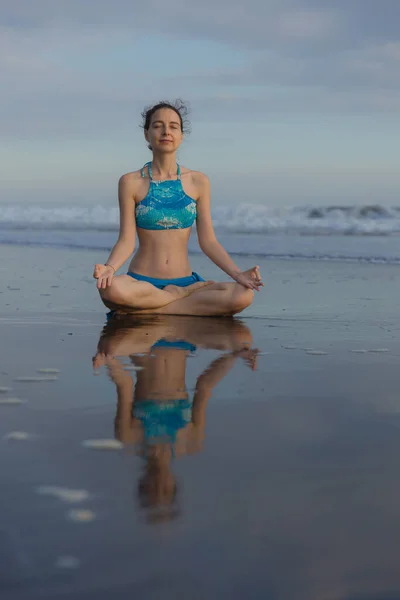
(367, 233)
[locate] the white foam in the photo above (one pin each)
(65, 494)
(35, 379)
(18, 435)
(377, 350)
(48, 370)
(81, 515)
(103, 444)
(317, 352)
(11, 401)
(239, 218)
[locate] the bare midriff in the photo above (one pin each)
(162, 253)
(164, 368)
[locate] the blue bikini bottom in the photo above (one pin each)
(177, 344)
(161, 283)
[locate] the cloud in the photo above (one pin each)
(298, 56)
(309, 25)
(256, 23)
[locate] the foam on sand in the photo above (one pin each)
(81, 515)
(377, 350)
(35, 379)
(103, 444)
(64, 494)
(11, 401)
(18, 436)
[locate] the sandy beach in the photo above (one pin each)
(275, 478)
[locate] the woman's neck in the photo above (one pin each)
(164, 166)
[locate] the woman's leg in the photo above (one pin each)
(217, 299)
(127, 293)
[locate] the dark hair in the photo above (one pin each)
(178, 106)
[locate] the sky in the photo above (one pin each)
(292, 102)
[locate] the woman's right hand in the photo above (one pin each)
(104, 275)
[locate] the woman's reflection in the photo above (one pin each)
(157, 413)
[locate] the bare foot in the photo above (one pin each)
(181, 292)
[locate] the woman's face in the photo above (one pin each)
(165, 132)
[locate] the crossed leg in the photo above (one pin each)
(128, 294)
(217, 299)
(202, 299)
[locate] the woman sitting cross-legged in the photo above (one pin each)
(161, 202)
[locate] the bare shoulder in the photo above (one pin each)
(131, 178)
(130, 183)
(197, 178)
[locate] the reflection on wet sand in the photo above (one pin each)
(157, 413)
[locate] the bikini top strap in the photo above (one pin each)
(148, 165)
(150, 170)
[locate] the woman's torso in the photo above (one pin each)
(162, 373)
(162, 251)
(162, 402)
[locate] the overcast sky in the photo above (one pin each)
(292, 101)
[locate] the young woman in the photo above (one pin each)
(161, 202)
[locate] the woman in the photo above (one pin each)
(161, 202)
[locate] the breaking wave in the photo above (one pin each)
(245, 218)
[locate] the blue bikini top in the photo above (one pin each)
(162, 419)
(166, 205)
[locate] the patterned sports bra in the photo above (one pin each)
(166, 205)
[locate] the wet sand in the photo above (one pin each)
(279, 480)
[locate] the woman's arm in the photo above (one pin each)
(127, 229)
(205, 231)
(127, 233)
(210, 245)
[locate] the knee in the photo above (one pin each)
(241, 298)
(112, 293)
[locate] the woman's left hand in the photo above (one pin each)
(250, 278)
